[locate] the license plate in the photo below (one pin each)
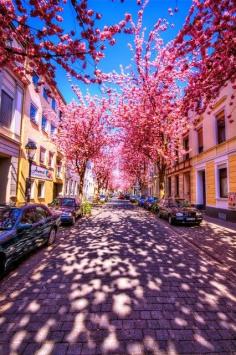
(190, 219)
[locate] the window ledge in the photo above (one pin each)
(45, 132)
(43, 165)
(222, 198)
(34, 123)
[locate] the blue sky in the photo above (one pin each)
(112, 13)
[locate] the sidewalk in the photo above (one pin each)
(215, 237)
(221, 223)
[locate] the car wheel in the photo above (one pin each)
(170, 220)
(52, 236)
(2, 265)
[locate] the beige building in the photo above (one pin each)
(206, 176)
(41, 115)
(11, 102)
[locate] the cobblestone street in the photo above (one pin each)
(122, 282)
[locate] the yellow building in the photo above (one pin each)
(41, 115)
(207, 174)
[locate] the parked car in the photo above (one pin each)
(69, 208)
(23, 229)
(141, 201)
(133, 198)
(149, 202)
(103, 198)
(121, 197)
(127, 196)
(179, 211)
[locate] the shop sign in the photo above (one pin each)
(41, 173)
(232, 200)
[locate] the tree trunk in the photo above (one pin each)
(162, 174)
(81, 184)
(162, 184)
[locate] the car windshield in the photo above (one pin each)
(178, 203)
(172, 203)
(183, 203)
(67, 202)
(8, 218)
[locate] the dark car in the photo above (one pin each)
(179, 211)
(133, 198)
(69, 208)
(149, 202)
(141, 201)
(23, 229)
(103, 198)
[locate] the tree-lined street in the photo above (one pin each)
(120, 282)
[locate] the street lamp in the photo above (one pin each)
(30, 151)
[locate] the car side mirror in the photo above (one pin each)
(23, 226)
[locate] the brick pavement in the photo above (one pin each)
(217, 238)
(119, 283)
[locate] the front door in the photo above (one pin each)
(201, 189)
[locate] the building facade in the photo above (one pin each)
(11, 103)
(41, 115)
(206, 175)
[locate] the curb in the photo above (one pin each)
(195, 245)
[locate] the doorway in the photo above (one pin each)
(57, 190)
(201, 189)
(5, 165)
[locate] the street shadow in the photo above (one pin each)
(119, 283)
(215, 240)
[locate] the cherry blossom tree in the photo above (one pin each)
(34, 37)
(103, 166)
(82, 132)
(149, 105)
(207, 42)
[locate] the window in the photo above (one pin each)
(60, 115)
(42, 155)
(44, 123)
(200, 140)
(220, 125)
(32, 189)
(41, 188)
(6, 109)
(176, 156)
(59, 169)
(41, 212)
(33, 113)
(53, 104)
(53, 129)
(50, 159)
(28, 216)
(45, 94)
(223, 183)
(177, 185)
(186, 147)
(35, 79)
